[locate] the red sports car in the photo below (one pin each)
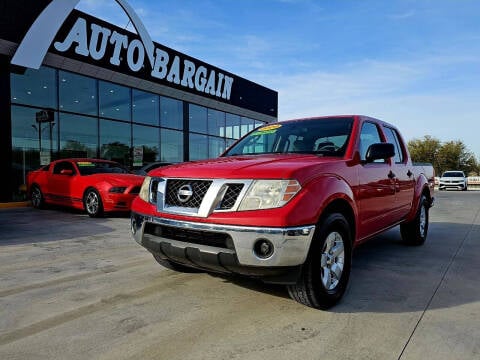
(94, 185)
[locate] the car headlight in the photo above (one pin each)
(145, 189)
(267, 194)
(117, 189)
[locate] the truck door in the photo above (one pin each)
(376, 193)
(403, 171)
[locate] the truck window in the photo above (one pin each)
(392, 138)
(368, 135)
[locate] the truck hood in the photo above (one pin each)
(269, 166)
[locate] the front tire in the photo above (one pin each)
(92, 203)
(36, 196)
(326, 271)
(415, 232)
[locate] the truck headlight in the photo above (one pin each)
(145, 189)
(267, 194)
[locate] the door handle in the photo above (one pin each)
(409, 173)
(391, 175)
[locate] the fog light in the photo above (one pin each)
(263, 248)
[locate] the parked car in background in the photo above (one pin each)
(93, 185)
(150, 166)
(453, 180)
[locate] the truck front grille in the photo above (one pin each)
(230, 197)
(198, 189)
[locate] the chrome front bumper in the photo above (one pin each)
(291, 244)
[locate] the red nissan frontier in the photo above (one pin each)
(287, 204)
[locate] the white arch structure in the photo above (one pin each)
(34, 46)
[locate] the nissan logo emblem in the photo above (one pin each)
(185, 192)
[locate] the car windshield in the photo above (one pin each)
(100, 167)
(453, 174)
(323, 136)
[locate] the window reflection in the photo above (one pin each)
(77, 93)
(147, 138)
(114, 101)
(171, 113)
(115, 141)
(145, 107)
(35, 88)
(198, 147)
(78, 136)
(216, 122)
(216, 146)
(171, 146)
(232, 129)
(198, 119)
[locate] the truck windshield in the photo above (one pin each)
(322, 136)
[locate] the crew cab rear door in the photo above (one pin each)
(402, 170)
(376, 194)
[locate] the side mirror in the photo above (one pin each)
(68, 172)
(380, 151)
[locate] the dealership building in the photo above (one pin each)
(73, 85)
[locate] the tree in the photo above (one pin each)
(425, 150)
(451, 155)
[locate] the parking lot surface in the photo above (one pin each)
(73, 287)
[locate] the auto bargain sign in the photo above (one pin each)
(83, 37)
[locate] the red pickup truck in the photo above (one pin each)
(287, 203)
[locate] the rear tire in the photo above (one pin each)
(92, 203)
(326, 271)
(415, 232)
(36, 197)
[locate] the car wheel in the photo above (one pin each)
(465, 188)
(36, 197)
(415, 231)
(92, 203)
(326, 271)
(174, 266)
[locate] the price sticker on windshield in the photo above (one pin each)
(270, 129)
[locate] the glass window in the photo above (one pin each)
(26, 142)
(198, 147)
(145, 107)
(35, 88)
(392, 138)
(171, 113)
(232, 126)
(78, 136)
(216, 122)
(247, 125)
(369, 135)
(115, 141)
(198, 119)
(216, 146)
(171, 145)
(147, 137)
(77, 93)
(114, 101)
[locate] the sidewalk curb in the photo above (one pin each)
(11, 205)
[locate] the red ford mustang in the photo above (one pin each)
(94, 185)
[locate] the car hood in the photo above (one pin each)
(269, 166)
(118, 179)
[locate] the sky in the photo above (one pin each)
(413, 63)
